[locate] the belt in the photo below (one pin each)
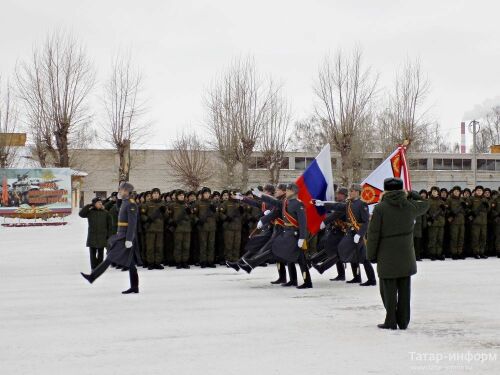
(290, 225)
(122, 224)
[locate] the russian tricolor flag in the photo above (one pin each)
(316, 183)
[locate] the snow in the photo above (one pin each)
(222, 322)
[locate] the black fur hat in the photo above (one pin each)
(392, 184)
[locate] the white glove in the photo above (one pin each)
(260, 225)
(356, 238)
(119, 196)
(322, 225)
(319, 203)
(300, 243)
(238, 196)
(128, 244)
(257, 192)
(267, 212)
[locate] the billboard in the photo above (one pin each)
(35, 193)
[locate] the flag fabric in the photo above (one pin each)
(316, 183)
(394, 166)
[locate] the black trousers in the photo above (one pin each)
(103, 266)
(395, 295)
(370, 273)
(96, 256)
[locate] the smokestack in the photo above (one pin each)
(462, 138)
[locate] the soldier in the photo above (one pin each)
(466, 193)
(123, 248)
(168, 233)
(251, 215)
(435, 225)
(181, 220)
(352, 247)
(230, 213)
(153, 214)
(205, 212)
(477, 214)
(418, 230)
(289, 244)
(335, 226)
(194, 246)
(390, 245)
(495, 214)
(490, 228)
(456, 219)
(100, 229)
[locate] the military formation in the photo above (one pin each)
(267, 225)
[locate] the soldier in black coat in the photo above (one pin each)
(290, 243)
(100, 229)
(352, 248)
(123, 249)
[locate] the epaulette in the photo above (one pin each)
(132, 201)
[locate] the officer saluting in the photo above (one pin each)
(123, 249)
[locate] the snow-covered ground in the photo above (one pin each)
(221, 322)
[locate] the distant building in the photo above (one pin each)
(149, 169)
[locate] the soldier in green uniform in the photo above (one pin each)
(152, 217)
(205, 213)
(181, 220)
(466, 194)
(435, 224)
(495, 215)
(456, 210)
(230, 213)
(478, 215)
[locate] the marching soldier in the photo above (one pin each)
(123, 249)
(153, 215)
(456, 219)
(205, 212)
(352, 247)
(289, 244)
(478, 216)
(435, 224)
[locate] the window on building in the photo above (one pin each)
(309, 161)
(418, 164)
(285, 163)
(466, 164)
(300, 163)
(260, 163)
(485, 165)
(451, 164)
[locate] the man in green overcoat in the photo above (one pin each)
(390, 245)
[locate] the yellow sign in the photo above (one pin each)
(12, 139)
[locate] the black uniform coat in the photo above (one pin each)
(128, 217)
(348, 250)
(284, 246)
(333, 233)
(100, 226)
(257, 241)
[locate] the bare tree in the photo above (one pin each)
(345, 92)
(190, 161)
(237, 104)
(275, 136)
(124, 110)
(55, 86)
(8, 124)
(308, 135)
(404, 118)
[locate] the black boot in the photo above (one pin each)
(292, 274)
(369, 283)
(186, 266)
(159, 267)
(477, 256)
(245, 266)
(305, 275)
(211, 265)
(87, 277)
(338, 278)
(134, 281)
(484, 256)
(384, 326)
(203, 265)
(355, 280)
(319, 268)
(281, 274)
(234, 265)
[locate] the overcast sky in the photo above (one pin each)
(181, 45)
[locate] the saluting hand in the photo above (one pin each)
(257, 192)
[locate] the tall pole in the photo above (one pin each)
(474, 129)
